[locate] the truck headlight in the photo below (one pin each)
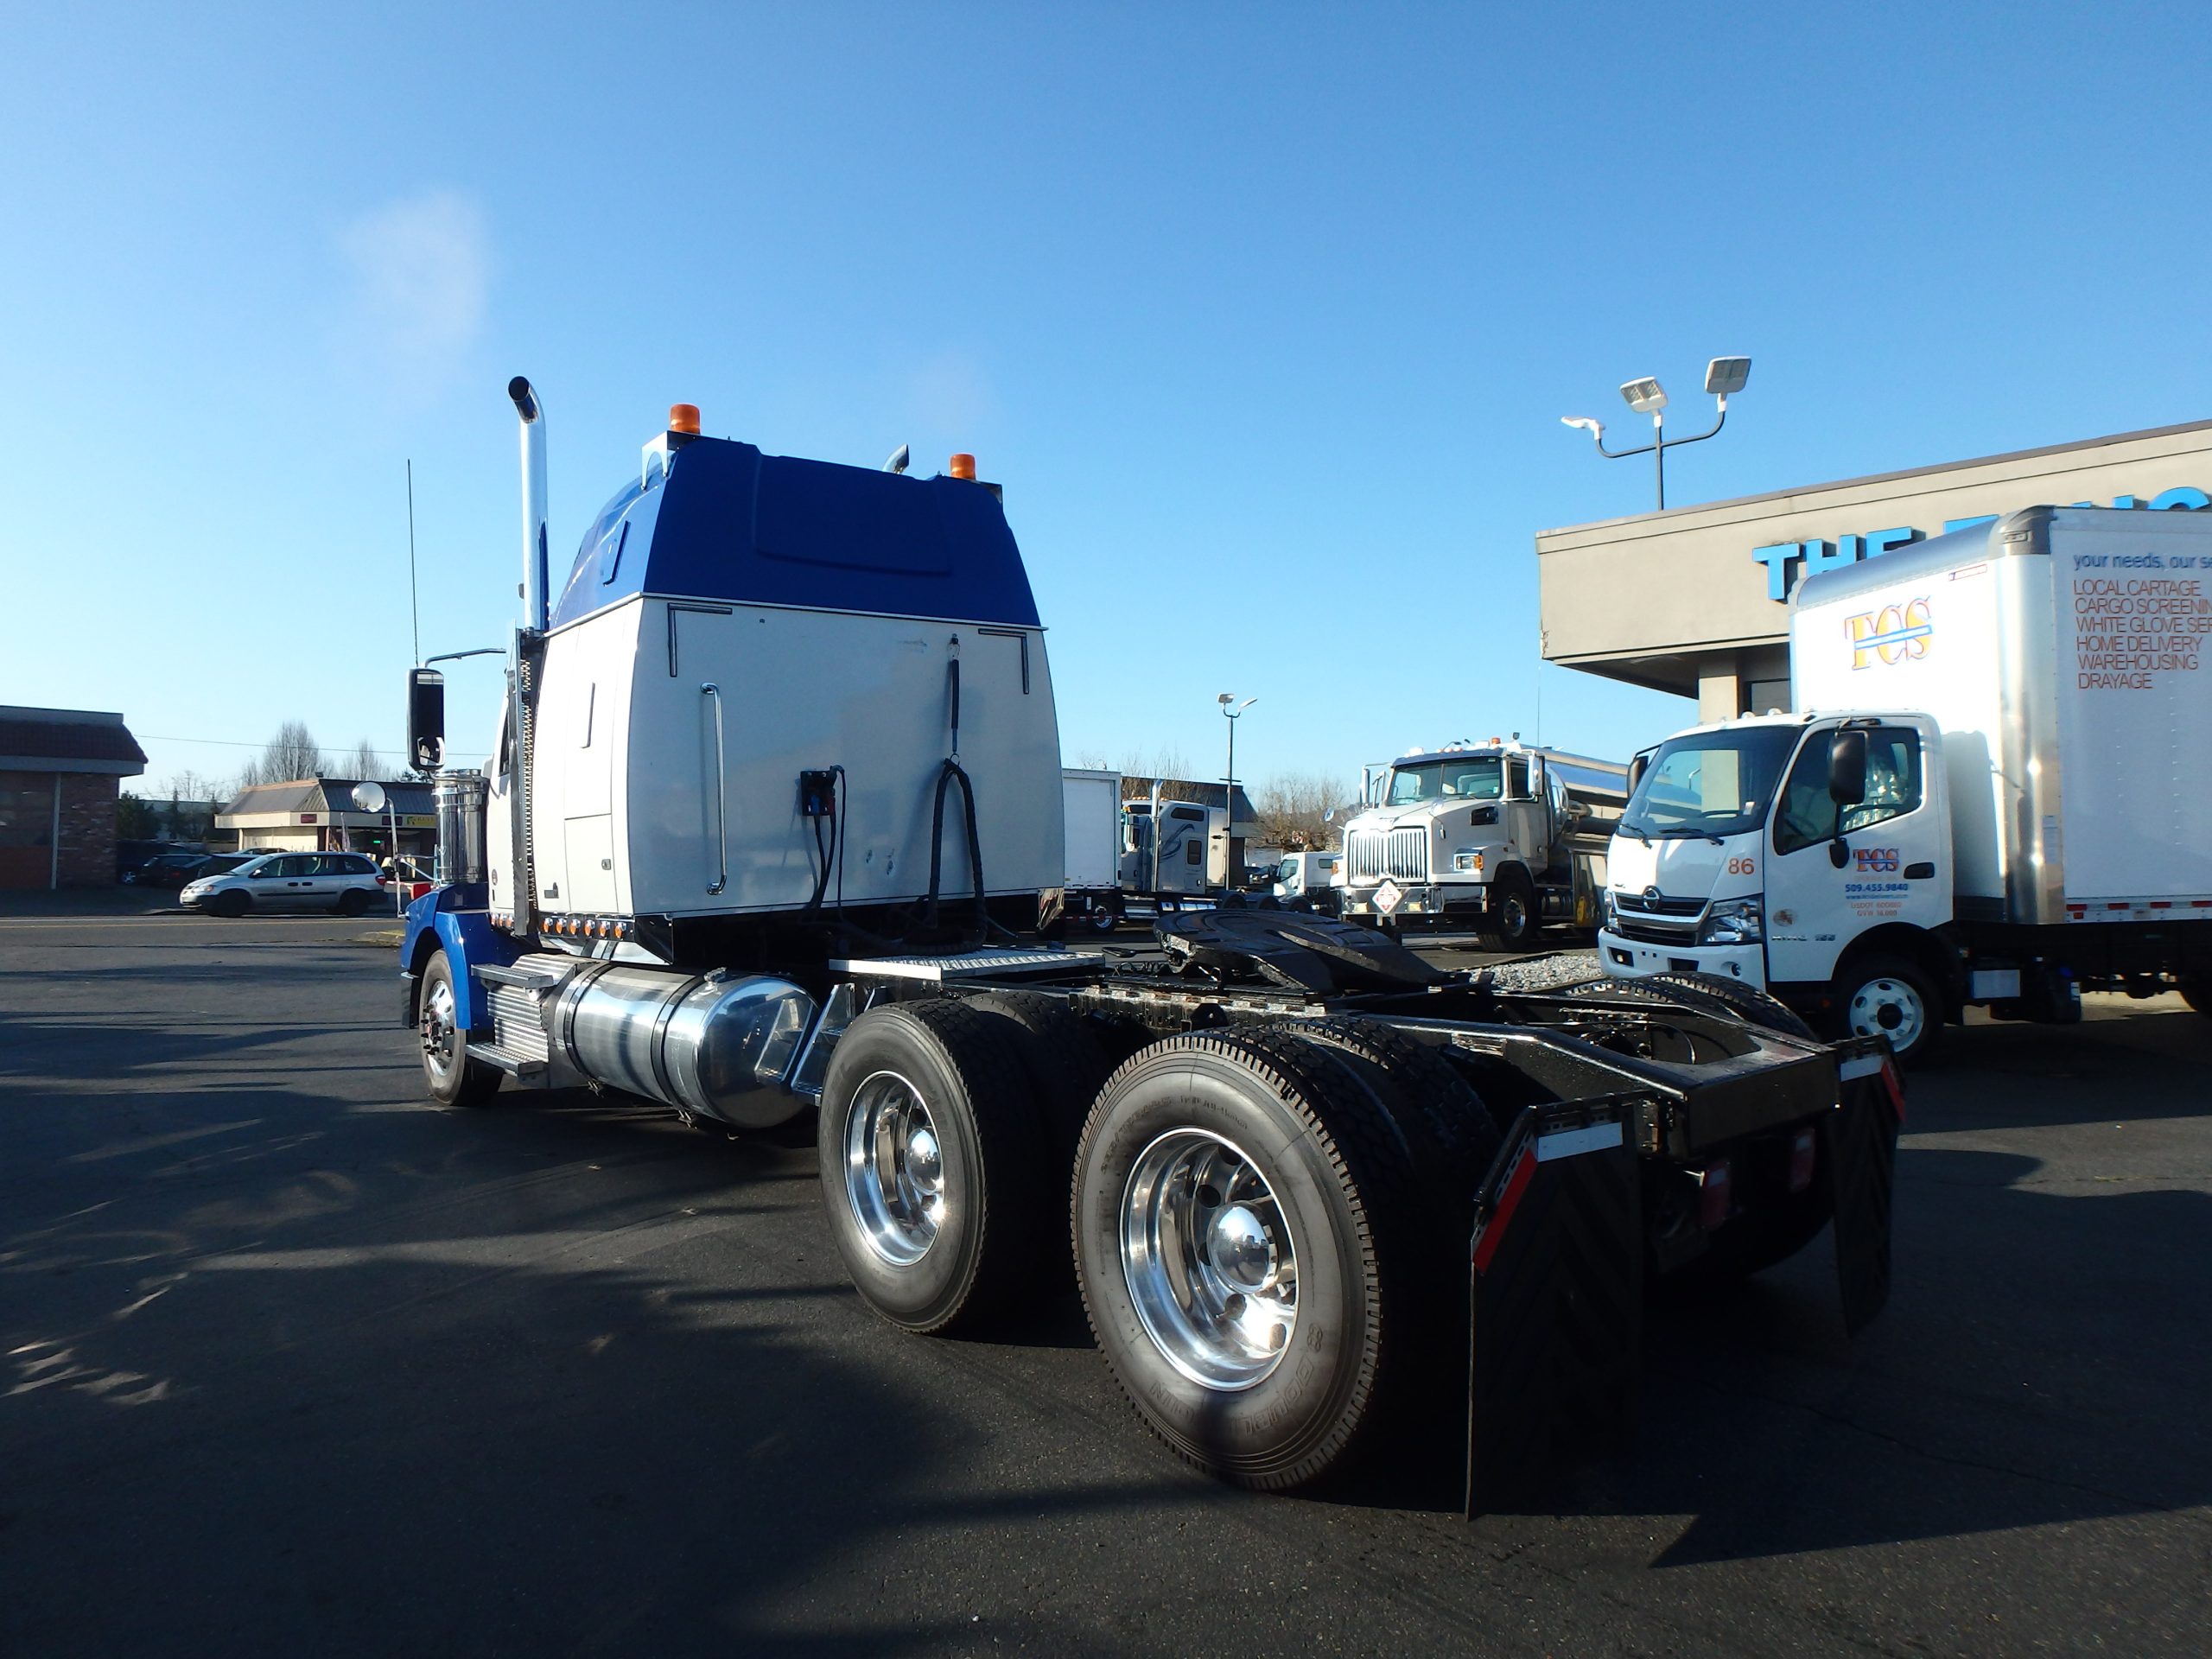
(1607, 911)
(1467, 862)
(1733, 921)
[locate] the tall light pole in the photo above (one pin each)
(1228, 785)
(1647, 396)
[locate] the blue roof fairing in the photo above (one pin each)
(746, 528)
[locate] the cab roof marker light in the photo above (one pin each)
(961, 466)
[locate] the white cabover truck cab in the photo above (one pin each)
(2001, 799)
(1494, 835)
(773, 830)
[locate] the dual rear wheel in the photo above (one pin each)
(1269, 1222)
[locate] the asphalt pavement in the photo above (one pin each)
(292, 1363)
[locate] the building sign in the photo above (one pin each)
(306, 818)
(1787, 562)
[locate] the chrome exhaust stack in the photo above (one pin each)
(536, 567)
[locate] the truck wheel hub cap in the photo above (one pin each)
(895, 1169)
(438, 1028)
(1209, 1260)
(1887, 1007)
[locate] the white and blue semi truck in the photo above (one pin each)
(771, 829)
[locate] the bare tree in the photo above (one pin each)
(365, 762)
(291, 754)
(1091, 760)
(1166, 761)
(1301, 812)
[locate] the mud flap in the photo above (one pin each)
(1556, 1302)
(1858, 1143)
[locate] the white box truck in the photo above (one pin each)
(1091, 815)
(2001, 795)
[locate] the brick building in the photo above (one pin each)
(60, 771)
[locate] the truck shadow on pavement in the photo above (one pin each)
(2009, 1384)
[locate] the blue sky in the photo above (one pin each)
(1264, 315)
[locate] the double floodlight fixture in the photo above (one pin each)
(1726, 374)
(1646, 396)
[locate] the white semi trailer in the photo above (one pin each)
(775, 806)
(1492, 835)
(2000, 798)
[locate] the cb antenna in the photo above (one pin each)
(414, 598)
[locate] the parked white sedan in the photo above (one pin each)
(346, 883)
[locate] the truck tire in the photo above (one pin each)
(2198, 993)
(452, 1077)
(1066, 1065)
(1887, 996)
(933, 1166)
(1248, 1240)
(1509, 919)
(1744, 1002)
(1464, 1137)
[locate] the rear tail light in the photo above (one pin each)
(1712, 1204)
(1800, 1161)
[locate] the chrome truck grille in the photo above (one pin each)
(1402, 854)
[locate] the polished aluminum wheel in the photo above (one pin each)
(440, 1031)
(1889, 1007)
(895, 1169)
(1209, 1259)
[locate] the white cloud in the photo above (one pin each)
(421, 268)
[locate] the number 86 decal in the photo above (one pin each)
(1742, 866)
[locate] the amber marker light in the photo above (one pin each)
(962, 466)
(684, 418)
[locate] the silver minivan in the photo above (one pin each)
(346, 883)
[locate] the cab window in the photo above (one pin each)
(1809, 817)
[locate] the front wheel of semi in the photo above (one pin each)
(931, 1164)
(452, 1077)
(1247, 1240)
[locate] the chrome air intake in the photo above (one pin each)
(716, 1048)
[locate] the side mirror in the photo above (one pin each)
(1847, 768)
(426, 719)
(1636, 767)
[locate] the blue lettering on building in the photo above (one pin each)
(1786, 561)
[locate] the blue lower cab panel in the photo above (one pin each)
(453, 920)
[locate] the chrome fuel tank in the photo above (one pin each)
(717, 1046)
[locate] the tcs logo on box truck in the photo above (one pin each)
(1895, 632)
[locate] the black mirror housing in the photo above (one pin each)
(1847, 768)
(426, 719)
(1637, 766)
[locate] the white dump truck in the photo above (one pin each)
(773, 817)
(1492, 835)
(2001, 795)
